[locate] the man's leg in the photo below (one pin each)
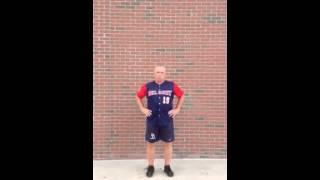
(150, 157)
(167, 135)
(167, 153)
(150, 153)
(151, 138)
(167, 158)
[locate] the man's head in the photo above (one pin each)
(159, 73)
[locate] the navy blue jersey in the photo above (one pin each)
(160, 98)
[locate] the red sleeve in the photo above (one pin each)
(177, 91)
(142, 91)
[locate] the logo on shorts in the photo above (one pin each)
(152, 136)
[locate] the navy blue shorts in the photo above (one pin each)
(156, 132)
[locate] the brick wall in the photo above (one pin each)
(131, 37)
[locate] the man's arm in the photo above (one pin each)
(140, 94)
(139, 102)
(180, 102)
(144, 110)
(176, 110)
(180, 94)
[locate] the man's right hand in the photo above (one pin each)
(146, 112)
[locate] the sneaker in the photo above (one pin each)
(168, 170)
(150, 171)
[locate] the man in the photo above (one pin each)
(160, 114)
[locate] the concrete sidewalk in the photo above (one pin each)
(184, 169)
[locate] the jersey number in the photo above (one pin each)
(166, 100)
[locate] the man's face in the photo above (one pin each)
(159, 73)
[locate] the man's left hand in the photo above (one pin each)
(172, 113)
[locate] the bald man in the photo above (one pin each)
(159, 116)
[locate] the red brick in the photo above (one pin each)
(125, 43)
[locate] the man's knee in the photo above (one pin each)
(150, 145)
